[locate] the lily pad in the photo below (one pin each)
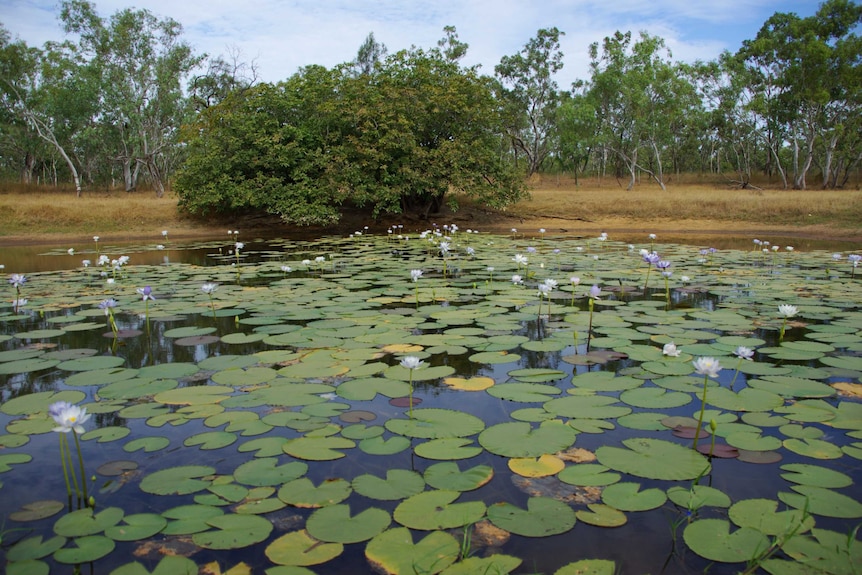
(543, 517)
(434, 423)
(448, 476)
(436, 509)
(233, 532)
(654, 459)
(629, 497)
(399, 484)
(303, 493)
(334, 524)
(713, 540)
(520, 439)
(393, 552)
(180, 480)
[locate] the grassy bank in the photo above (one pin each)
(38, 214)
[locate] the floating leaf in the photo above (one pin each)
(713, 540)
(436, 423)
(543, 517)
(137, 526)
(601, 516)
(299, 548)
(85, 550)
(177, 480)
(654, 459)
(394, 553)
(628, 497)
(335, 524)
(399, 484)
(519, 439)
(234, 532)
(303, 493)
(266, 471)
(542, 466)
(763, 515)
(588, 567)
(448, 476)
(317, 448)
(432, 510)
(34, 548)
(821, 501)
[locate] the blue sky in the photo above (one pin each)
(283, 35)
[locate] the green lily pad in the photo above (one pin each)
(299, 548)
(654, 398)
(763, 515)
(713, 540)
(821, 501)
(814, 448)
(317, 448)
(147, 444)
(543, 517)
(586, 407)
(137, 526)
(39, 402)
(85, 550)
(85, 522)
(448, 448)
(448, 476)
(523, 392)
(34, 548)
(234, 532)
(433, 423)
(334, 524)
(37, 510)
(266, 471)
(7, 460)
(588, 567)
(394, 553)
(601, 516)
(211, 439)
(520, 439)
(432, 510)
(384, 446)
(168, 565)
(180, 480)
(654, 459)
(188, 519)
(399, 484)
(698, 496)
(628, 497)
(805, 474)
(498, 564)
(303, 493)
(588, 474)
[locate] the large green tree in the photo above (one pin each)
(806, 74)
(402, 140)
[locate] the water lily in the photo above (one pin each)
(415, 275)
(286, 270)
(71, 418)
(165, 234)
(785, 311)
(520, 260)
(146, 294)
(517, 280)
(707, 367)
(670, 350)
(108, 306)
(411, 362)
(17, 280)
(744, 354)
(209, 289)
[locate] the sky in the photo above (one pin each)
(280, 36)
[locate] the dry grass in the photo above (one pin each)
(693, 201)
(29, 214)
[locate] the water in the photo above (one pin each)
(360, 299)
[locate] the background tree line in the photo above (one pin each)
(130, 103)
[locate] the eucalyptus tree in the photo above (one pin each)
(576, 125)
(641, 96)
(368, 57)
(807, 74)
(49, 91)
(143, 63)
(530, 95)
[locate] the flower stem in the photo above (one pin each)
(702, 409)
(63, 448)
(81, 465)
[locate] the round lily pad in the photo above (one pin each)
(713, 540)
(303, 493)
(520, 439)
(434, 423)
(448, 476)
(177, 480)
(654, 459)
(299, 548)
(436, 509)
(393, 552)
(233, 531)
(543, 517)
(85, 550)
(627, 496)
(37, 510)
(334, 524)
(399, 484)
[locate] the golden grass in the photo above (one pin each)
(692, 201)
(29, 213)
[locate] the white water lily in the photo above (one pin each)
(411, 362)
(209, 288)
(415, 275)
(708, 366)
(670, 350)
(787, 310)
(68, 417)
(743, 352)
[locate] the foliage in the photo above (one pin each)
(399, 140)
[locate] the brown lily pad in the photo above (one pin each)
(358, 415)
(685, 432)
(404, 401)
(760, 457)
(720, 450)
